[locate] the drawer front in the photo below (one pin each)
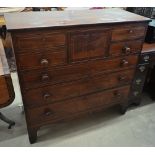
(76, 106)
(30, 41)
(40, 60)
(123, 48)
(31, 79)
(50, 94)
(128, 32)
(89, 44)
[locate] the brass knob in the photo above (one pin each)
(138, 81)
(121, 78)
(117, 94)
(45, 77)
(48, 112)
(124, 62)
(142, 68)
(126, 50)
(44, 62)
(46, 96)
(43, 39)
(136, 93)
(146, 58)
(130, 31)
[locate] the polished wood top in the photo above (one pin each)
(4, 69)
(27, 20)
(148, 48)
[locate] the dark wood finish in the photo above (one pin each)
(86, 63)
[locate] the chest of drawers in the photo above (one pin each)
(74, 63)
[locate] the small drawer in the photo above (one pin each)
(50, 94)
(124, 48)
(40, 60)
(128, 32)
(76, 106)
(37, 41)
(77, 71)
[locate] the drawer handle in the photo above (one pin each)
(45, 77)
(142, 68)
(117, 94)
(126, 50)
(48, 112)
(130, 31)
(136, 93)
(46, 96)
(121, 78)
(146, 58)
(44, 62)
(124, 62)
(138, 81)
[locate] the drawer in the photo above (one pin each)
(40, 60)
(128, 32)
(50, 94)
(77, 71)
(32, 41)
(76, 106)
(122, 48)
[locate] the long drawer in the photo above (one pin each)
(35, 78)
(50, 94)
(76, 106)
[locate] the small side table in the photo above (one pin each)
(7, 94)
(144, 75)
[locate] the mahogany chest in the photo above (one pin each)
(73, 63)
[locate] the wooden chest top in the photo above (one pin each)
(28, 20)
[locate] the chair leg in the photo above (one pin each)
(3, 118)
